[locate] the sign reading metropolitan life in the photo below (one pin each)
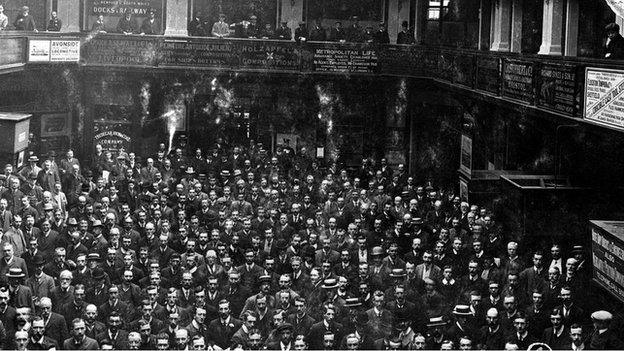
(604, 97)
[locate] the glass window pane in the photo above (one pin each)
(434, 3)
(434, 14)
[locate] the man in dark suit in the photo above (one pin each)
(318, 330)
(117, 336)
(113, 305)
(21, 295)
(79, 341)
(557, 336)
(521, 336)
(604, 337)
(10, 260)
(301, 320)
(55, 325)
(38, 339)
(221, 329)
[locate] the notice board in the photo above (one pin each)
(604, 97)
(608, 256)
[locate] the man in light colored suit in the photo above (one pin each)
(380, 319)
(427, 269)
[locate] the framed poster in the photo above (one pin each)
(604, 97)
(465, 164)
(55, 124)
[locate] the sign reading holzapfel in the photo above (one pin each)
(604, 97)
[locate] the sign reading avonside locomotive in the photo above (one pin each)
(608, 256)
(604, 97)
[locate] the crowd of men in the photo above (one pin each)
(243, 249)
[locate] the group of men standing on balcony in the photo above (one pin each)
(251, 29)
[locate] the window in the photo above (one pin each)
(452, 23)
(437, 9)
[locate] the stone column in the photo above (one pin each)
(177, 18)
(420, 18)
(485, 22)
(552, 28)
(69, 12)
(292, 13)
(572, 27)
(516, 26)
(501, 27)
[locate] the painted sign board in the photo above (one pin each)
(604, 97)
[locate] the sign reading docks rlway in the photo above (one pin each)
(604, 97)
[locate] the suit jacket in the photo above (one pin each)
(86, 344)
(22, 298)
(120, 342)
(608, 340)
(556, 342)
(56, 328)
(16, 262)
(222, 334)
(42, 286)
(381, 325)
(333, 256)
(106, 309)
(45, 344)
(315, 335)
(435, 274)
(301, 326)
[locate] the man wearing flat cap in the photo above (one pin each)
(603, 337)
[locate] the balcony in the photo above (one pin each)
(555, 85)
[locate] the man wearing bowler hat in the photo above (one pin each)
(40, 283)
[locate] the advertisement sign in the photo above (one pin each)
(604, 100)
(54, 50)
(39, 51)
(119, 7)
(608, 256)
(65, 50)
(57, 124)
(112, 135)
(465, 164)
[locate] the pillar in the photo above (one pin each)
(501, 26)
(292, 13)
(516, 26)
(176, 18)
(485, 21)
(552, 28)
(420, 19)
(69, 12)
(572, 26)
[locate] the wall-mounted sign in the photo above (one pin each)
(112, 135)
(65, 50)
(119, 7)
(54, 50)
(608, 256)
(466, 154)
(39, 51)
(54, 125)
(604, 97)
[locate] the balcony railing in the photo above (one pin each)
(553, 84)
